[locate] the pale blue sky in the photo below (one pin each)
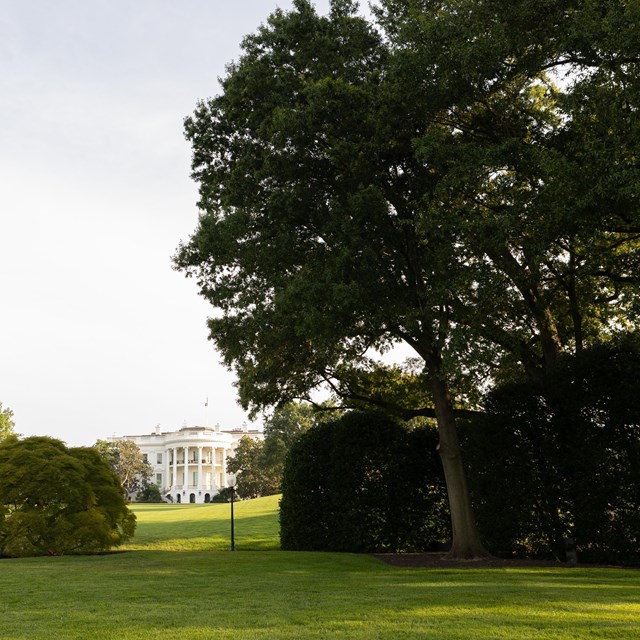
(97, 333)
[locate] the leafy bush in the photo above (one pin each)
(363, 483)
(150, 492)
(55, 500)
(224, 495)
(561, 459)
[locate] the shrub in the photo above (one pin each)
(224, 495)
(363, 483)
(55, 500)
(568, 455)
(150, 492)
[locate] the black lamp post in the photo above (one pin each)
(233, 541)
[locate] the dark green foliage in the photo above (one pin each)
(252, 477)
(258, 464)
(306, 505)
(127, 462)
(280, 430)
(55, 500)
(561, 459)
(419, 180)
(149, 493)
(224, 495)
(363, 483)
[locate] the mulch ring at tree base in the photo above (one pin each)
(440, 560)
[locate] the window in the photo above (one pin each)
(159, 479)
(159, 459)
(144, 457)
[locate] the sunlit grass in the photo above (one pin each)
(183, 583)
(206, 527)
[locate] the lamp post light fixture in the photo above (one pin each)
(233, 541)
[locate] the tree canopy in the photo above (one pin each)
(127, 462)
(55, 500)
(252, 479)
(258, 465)
(427, 179)
(6, 422)
(281, 429)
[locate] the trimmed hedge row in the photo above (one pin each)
(552, 465)
(363, 483)
(557, 463)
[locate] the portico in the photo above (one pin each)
(190, 465)
(196, 472)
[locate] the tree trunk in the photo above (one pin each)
(574, 306)
(466, 541)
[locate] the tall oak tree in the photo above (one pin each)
(366, 185)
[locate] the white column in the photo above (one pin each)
(167, 478)
(200, 468)
(224, 467)
(174, 467)
(185, 484)
(213, 467)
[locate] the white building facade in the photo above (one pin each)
(190, 465)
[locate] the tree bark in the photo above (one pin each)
(466, 541)
(528, 284)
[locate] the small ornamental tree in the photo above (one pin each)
(364, 482)
(55, 500)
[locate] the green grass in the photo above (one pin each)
(206, 527)
(180, 582)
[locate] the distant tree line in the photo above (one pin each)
(258, 465)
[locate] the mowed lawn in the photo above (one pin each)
(178, 581)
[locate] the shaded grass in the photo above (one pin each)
(198, 594)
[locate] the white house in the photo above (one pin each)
(190, 465)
